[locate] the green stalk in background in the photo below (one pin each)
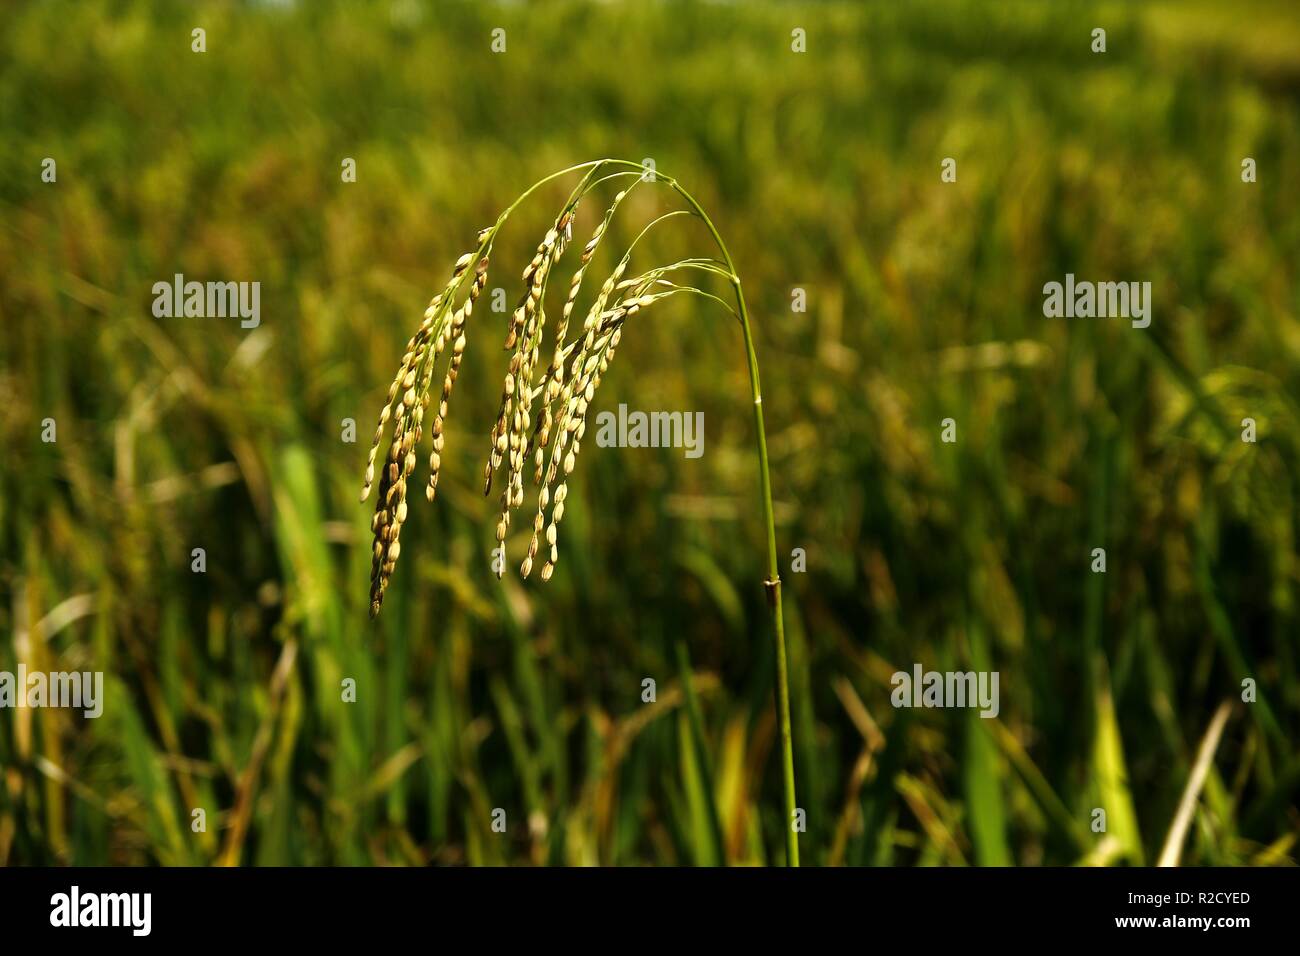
(444, 329)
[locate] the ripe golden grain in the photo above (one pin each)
(566, 391)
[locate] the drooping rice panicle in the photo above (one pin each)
(412, 382)
(554, 377)
(408, 363)
(525, 313)
(568, 405)
(574, 400)
(568, 383)
(587, 360)
(456, 336)
(514, 391)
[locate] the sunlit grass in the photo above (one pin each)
(822, 169)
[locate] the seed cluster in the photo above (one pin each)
(524, 337)
(408, 398)
(566, 390)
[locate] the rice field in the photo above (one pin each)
(178, 493)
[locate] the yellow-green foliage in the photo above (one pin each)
(822, 169)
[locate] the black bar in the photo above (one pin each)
(621, 906)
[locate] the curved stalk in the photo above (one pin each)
(773, 582)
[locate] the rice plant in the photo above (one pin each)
(543, 420)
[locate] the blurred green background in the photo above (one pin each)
(822, 170)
